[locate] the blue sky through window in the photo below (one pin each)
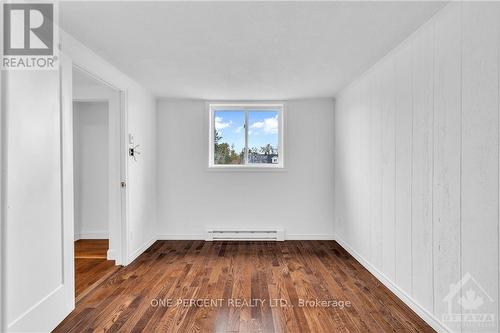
(263, 128)
(230, 126)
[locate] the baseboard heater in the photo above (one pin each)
(245, 235)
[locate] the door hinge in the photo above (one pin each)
(123, 184)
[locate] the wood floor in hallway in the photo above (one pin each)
(91, 265)
(197, 286)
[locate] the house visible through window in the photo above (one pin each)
(246, 135)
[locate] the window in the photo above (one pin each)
(246, 135)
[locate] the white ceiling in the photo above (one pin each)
(243, 50)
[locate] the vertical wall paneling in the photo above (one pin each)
(364, 165)
(422, 65)
(388, 167)
(350, 154)
(480, 149)
(339, 176)
(354, 138)
(340, 182)
(447, 126)
(375, 170)
(433, 175)
(403, 141)
(496, 297)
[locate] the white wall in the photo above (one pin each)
(142, 180)
(141, 122)
(417, 162)
(192, 198)
(90, 153)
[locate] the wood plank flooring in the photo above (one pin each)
(197, 286)
(91, 264)
(91, 248)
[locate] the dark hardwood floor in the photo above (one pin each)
(236, 287)
(91, 265)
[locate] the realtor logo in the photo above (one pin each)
(474, 303)
(29, 33)
(28, 29)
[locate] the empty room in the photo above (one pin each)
(250, 166)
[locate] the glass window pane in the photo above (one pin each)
(263, 137)
(229, 137)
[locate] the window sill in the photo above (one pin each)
(245, 168)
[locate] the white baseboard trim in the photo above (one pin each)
(92, 235)
(181, 237)
(141, 249)
(309, 237)
(287, 237)
(402, 295)
(111, 254)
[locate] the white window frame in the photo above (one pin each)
(255, 107)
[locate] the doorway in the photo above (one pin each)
(96, 179)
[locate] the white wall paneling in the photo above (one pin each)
(422, 141)
(403, 170)
(432, 113)
(375, 170)
(364, 168)
(387, 104)
(447, 157)
(479, 180)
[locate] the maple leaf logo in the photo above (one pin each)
(470, 301)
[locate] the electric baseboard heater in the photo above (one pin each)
(245, 235)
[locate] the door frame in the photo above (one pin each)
(118, 197)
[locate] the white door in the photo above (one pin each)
(39, 277)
